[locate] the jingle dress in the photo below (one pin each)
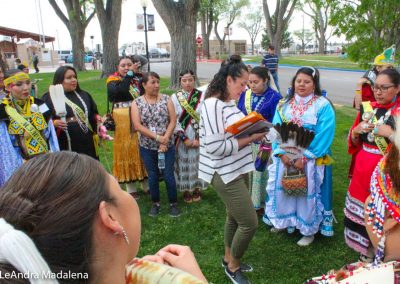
(127, 163)
(16, 143)
(368, 156)
(83, 139)
(265, 105)
(187, 126)
(305, 213)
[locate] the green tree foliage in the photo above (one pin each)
(287, 40)
(369, 25)
(305, 36)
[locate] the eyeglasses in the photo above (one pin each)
(382, 88)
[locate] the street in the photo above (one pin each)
(340, 85)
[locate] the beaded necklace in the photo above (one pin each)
(298, 110)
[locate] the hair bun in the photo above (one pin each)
(234, 59)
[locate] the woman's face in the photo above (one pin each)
(236, 86)
(257, 84)
(152, 86)
(20, 90)
(70, 82)
(384, 90)
(124, 66)
(187, 82)
(128, 216)
(303, 85)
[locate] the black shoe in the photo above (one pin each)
(174, 211)
(243, 266)
(155, 210)
(236, 277)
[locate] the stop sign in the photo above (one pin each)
(199, 40)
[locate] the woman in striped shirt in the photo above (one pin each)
(225, 162)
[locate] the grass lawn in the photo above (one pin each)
(275, 257)
(327, 61)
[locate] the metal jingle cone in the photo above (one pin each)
(367, 115)
(371, 137)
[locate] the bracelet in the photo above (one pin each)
(358, 92)
(157, 138)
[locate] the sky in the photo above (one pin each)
(25, 15)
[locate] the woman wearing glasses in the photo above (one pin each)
(370, 136)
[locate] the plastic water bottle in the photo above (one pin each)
(161, 160)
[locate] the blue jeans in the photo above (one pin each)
(150, 159)
(275, 76)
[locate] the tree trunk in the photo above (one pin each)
(181, 21)
(110, 22)
(276, 29)
(77, 34)
(76, 24)
(3, 61)
(221, 42)
(206, 19)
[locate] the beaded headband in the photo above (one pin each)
(20, 76)
(383, 198)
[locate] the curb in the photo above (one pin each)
(319, 68)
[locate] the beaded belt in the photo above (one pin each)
(122, 104)
(371, 149)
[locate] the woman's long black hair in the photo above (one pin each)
(313, 73)
(233, 67)
(60, 74)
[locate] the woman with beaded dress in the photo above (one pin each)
(369, 137)
(261, 98)
(187, 103)
(123, 88)
(77, 130)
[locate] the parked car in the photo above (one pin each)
(157, 52)
(63, 54)
(87, 58)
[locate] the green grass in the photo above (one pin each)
(327, 61)
(275, 257)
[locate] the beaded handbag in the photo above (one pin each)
(294, 182)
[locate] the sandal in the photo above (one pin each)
(187, 197)
(196, 195)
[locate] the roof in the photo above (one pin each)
(24, 34)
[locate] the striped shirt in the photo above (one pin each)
(271, 62)
(219, 150)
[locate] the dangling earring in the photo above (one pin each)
(380, 253)
(125, 236)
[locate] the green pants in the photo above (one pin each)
(241, 218)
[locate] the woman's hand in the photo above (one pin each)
(153, 258)
(181, 257)
(58, 123)
(163, 148)
(363, 127)
(299, 164)
(255, 137)
(163, 139)
(286, 160)
(383, 130)
(195, 143)
(135, 67)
